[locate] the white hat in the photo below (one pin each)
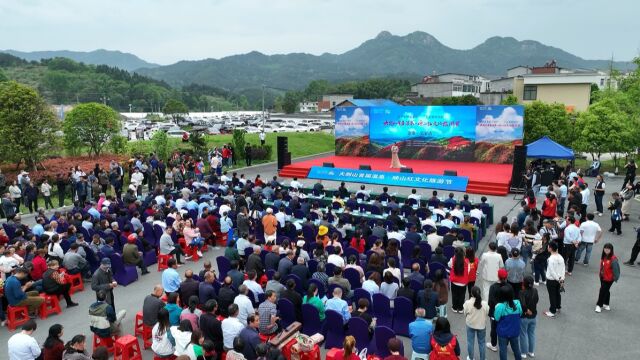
(269, 210)
(300, 243)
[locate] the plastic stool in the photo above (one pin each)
(140, 329)
(108, 342)
(16, 316)
(50, 305)
(193, 252)
(163, 261)
(127, 348)
(76, 282)
(205, 247)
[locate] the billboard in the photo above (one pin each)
(448, 133)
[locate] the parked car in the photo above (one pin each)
(177, 133)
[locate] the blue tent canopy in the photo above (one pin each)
(545, 148)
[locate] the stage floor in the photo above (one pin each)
(484, 178)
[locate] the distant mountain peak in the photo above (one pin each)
(384, 35)
(115, 58)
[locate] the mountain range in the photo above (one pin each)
(410, 57)
(113, 58)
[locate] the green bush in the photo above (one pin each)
(139, 148)
(261, 152)
(238, 143)
(118, 144)
(160, 142)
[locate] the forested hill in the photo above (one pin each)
(113, 58)
(64, 81)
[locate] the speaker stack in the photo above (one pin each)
(519, 167)
(284, 156)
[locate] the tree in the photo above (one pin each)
(198, 143)
(509, 100)
(176, 109)
(291, 101)
(552, 120)
(605, 127)
(28, 127)
(92, 125)
(3, 77)
(160, 142)
(239, 142)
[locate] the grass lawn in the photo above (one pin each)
(300, 144)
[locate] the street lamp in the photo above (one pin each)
(129, 107)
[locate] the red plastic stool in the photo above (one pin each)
(127, 348)
(16, 316)
(108, 342)
(163, 261)
(205, 247)
(193, 252)
(76, 282)
(140, 329)
(50, 305)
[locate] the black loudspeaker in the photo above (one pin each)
(451, 173)
(406, 170)
(365, 167)
(327, 164)
(284, 156)
(519, 165)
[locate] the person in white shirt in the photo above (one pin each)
(295, 183)
(415, 196)
(490, 263)
(395, 234)
(244, 304)
(136, 179)
(503, 236)
(434, 239)
(586, 194)
(22, 346)
(224, 178)
(224, 208)
(428, 221)
(476, 213)
(181, 204)
(231, 327)
(252, 285)
(440, 211)
(555, 279)
(591, 234)
(572, 238)
(281, 216)
(365, 193)
(456, 212)
(335, 258)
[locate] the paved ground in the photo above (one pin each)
(578, 333)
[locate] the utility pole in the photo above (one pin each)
(610, 72)
(129, 107)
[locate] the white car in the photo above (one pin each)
(176, 133)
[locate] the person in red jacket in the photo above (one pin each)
(459, 277)
(550, 206)
(39, 265)
(358, 242)
(609, 272)
(470, 254)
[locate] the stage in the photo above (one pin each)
(484, 178)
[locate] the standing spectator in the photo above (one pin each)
(591, 234)
(22, 346)
(598, 194)
(635, 250)
(493, 301)
(31, 197)
(609, 272)
(572, 237)
(490, 263)
(8, 206)
(102, 280)
(16, 195)
(247, 154)
(515, 268)
(270, 225)
(630, 174)
(476, 311)
(507, 315)
(420, 332)
(529, 303)
(555, 279)
(459, 266)
(53, 346)
(210, 326)
(615, 205)
(45, 189)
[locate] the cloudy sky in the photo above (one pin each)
(165, 31)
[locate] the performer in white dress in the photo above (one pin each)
(395, 160)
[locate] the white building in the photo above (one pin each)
(308, 106)
(449, 85)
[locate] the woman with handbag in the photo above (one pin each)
(627, 195)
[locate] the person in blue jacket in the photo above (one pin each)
(507, 315)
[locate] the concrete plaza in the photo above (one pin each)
(577, 333)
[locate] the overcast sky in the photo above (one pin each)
(165, 31)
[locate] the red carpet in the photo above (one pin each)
(484, 178)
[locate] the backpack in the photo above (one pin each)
(447, 352)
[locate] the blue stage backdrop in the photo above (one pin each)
(458, 133)
(452, 183)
